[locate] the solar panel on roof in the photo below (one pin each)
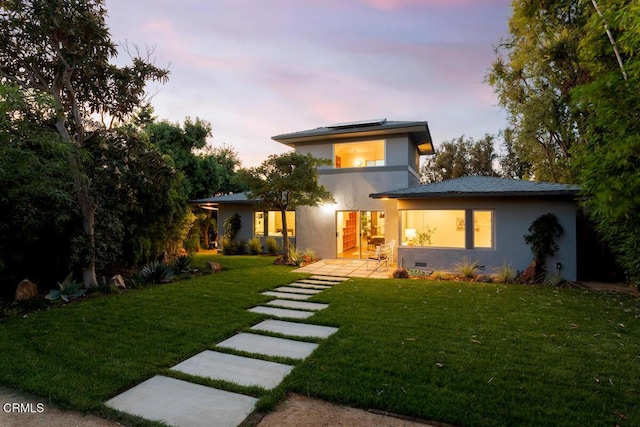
(361, 123)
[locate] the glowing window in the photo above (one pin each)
(438, 228)
(482, 229)
(274, 223)
(359, 154)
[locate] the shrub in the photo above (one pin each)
(554, 280)
(295, 256)
(69, 289)
(226, 246)
(440, 275)
(156, 272)
(466, 268)
(182, 263)
(272, 245)
(310, 254)
(544, 230)
(505, 273)
(255, 246)
(232, 226)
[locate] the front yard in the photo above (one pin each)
(465, 354)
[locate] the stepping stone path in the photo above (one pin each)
(182, 403)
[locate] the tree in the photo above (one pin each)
(284, 182)
(36, 197)
(533, 75)
(511, 164)
(63, 48)
(460, 157)
(608, 164)
(207, 171)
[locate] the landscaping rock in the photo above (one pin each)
(484, 278)
(529, 275)
(214, 266)
(117, 281)
(401, 273)
(26, 290)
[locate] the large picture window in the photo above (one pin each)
(359, 154)
(440, 228)
(273, 222)
(447, 228)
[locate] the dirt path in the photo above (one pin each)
(304, 411)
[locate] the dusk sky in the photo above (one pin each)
(259, 68)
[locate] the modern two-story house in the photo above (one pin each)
(374, 179)
(367, 157)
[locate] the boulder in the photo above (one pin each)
(530, 274)
(214, 266)
(117, 281)
(26, 290)
(401, 273)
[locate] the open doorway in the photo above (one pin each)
(358, 232)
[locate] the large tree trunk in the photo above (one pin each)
(88, 209)
(87, 206)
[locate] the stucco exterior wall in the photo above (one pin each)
(245, 211)
(512, 218)
(316, 227)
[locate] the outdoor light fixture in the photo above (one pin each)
(559, 266)
(329, 207)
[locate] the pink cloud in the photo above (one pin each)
(398, 4)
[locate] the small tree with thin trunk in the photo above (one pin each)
(284, 182)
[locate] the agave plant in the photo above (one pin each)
(69, 289)
(156, 272)
(182, 263)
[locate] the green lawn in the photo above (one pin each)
(466, 354)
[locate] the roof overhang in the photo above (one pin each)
(493, 194)
(418, 131)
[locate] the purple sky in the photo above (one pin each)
(258, 68)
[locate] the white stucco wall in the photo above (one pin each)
(512, 218)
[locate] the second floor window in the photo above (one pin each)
(359, 154)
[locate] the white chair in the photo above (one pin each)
(392, 247)
(380, 256)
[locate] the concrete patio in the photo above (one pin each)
(348, 268)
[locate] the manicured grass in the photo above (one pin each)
(80, 355)
(479, 354)
(466, 354)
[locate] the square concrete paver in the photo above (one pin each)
(317, 282)
(295, 329)
(330, 278)
(298, 305)
(287, 295)
(297, 290)
(309, 286)
(236, 369)
(184, 404)
(269, 346)
(282, 312)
